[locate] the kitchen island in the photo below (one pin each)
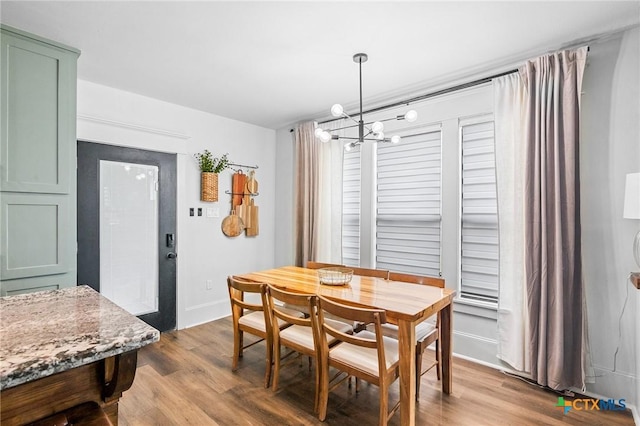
(64, 349)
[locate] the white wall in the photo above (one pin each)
(609, 150)
(116, 117)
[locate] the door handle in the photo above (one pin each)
(172, 255)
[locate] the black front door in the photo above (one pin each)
(125, 255)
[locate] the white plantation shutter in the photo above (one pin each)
(479, 227)
(351, 208)
(408, 205)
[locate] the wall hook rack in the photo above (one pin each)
(241, 193)
(242, 166)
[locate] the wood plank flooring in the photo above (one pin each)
(186, 378)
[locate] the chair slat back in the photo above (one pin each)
(362, 315)
(317, 265)
(238, 287)
(367, 272)
(417, 279)
(306, 301)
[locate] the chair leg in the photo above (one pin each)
(323, 398)
(237, 348)
(316, 402)
(269, 362)
(384, 405)
(439, 365)
(276, 366)
(418, 370)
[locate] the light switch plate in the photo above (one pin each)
(213, 212)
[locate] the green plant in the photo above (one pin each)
(208, 163)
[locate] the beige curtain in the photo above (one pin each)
(307, 184)
(553, 267)
(513, 339)
(318, 192)
(329, 238)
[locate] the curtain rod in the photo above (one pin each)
(430, 95)
(433, 94)
(447, 90)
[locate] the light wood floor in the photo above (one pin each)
(186, 378)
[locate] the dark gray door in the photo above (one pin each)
(127, 229)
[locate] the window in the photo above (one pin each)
(408, 205)
(479, 218)
(428, 205)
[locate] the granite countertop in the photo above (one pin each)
(48, 332)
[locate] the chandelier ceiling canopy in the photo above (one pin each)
(373, 131)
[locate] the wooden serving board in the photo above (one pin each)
(238, 183)
(253, 219)
(232, 225)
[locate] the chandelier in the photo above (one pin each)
(373, 131)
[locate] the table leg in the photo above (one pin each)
(446, 346)
(407, 353)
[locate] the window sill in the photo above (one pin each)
(479, 309)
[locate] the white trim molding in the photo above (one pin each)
(132, 126)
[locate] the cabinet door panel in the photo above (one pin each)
(33, 235)
(35, 142)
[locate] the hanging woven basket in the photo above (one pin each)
(209, 186)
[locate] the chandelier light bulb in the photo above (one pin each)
(337, 110)
(395, 139)
(318, 132)
(411, 116)
(348, 146)
(377, 127)
(380, 136)
(325, 136)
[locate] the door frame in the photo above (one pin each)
(89, 156)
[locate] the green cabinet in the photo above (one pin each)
(37, 163)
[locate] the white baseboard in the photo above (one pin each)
(613, 384)
(205, 312)
(475, 348)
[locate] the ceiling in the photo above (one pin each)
(275, 63)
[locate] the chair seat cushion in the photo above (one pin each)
(424, 329)
(253, 320)
(365, 359)
(303, 336)
(256, 319)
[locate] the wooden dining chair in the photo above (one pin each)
(366, 355)
(427, 332)
(317, 265)
(302, 336)
(367, 272)
(252, 318)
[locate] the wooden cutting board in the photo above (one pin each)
(232, 225)
(253, 217)
(244, 210)
(252, 183)
(238, 184)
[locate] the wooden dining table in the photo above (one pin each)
(405, 304)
